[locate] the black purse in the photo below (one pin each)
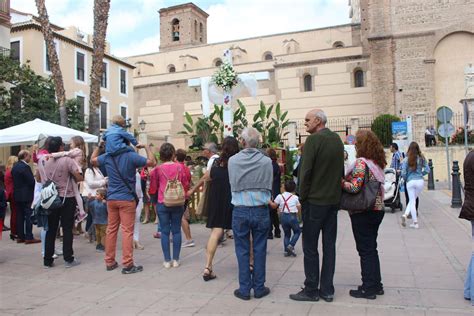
(365, 199)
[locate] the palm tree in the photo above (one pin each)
(53, 60)
(101, 15)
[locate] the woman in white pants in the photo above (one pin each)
(136, 229)
(414, 168)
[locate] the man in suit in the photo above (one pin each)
(23, 192)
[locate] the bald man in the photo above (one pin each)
(320, 175)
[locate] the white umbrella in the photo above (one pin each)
(30, 132)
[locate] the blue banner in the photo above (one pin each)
(399, 131)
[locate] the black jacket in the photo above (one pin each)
(23, 182)
(467, 211)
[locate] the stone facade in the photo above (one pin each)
(402, 47)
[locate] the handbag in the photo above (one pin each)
(131, 191)
(173, 194)
(365, 199)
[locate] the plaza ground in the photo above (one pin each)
(423, 273)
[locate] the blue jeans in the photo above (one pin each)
(289, 222)
(469, 284)
(170, 222)
(251, 222)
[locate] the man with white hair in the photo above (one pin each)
(251, 177)
(322, 169)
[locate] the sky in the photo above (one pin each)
(134, 24)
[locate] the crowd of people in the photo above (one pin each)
(242, 194)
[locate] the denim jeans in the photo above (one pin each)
(170, 222)
(365, 227)
(289, 222)
(251, 222)
(469, 284)
(317, 218)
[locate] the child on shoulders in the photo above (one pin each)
(288, 204)
(116, 137)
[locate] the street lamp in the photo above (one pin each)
(142, 125)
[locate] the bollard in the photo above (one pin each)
(456, 200)
(431, 185)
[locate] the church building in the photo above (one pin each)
(397, 57)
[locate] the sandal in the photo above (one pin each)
(208, 276)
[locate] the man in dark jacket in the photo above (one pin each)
(23, 192)
(320, 175)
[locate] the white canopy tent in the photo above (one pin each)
(30, 132)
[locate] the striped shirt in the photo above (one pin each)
(396, 161)
(251, 197)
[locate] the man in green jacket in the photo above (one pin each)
(320, 175)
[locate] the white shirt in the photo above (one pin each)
(211, 161)
(292, 202)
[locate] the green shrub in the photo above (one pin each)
(382, 127)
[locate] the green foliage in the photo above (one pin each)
(269, 124)
(290, 161)
(458, 137)
(25, 96)
(382, 127)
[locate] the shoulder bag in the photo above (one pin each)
(365, 199)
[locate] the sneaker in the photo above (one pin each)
(360, 293)
(380, 291)
(404, 220)
(414, 225)
(157, 235)
(188, 243)
(99, 248)
(286, 254)
(48, 266)
(291, 250)
(175, 263)
(167, 264)
(73, 263)
(241, 296)
(132, 269)
(55, 256)
(304, 296)
(58, 251)
(327, 298)
(112, 267)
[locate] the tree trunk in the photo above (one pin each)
(53, 60)
(101, 15)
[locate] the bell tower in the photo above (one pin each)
(182, 26)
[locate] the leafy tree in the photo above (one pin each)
(382, 127)
(25, 95)
(74, 117)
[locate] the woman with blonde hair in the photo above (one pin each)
(414, 168)
(365, 225)
(9, 193)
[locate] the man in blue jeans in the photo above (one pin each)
(251, 177)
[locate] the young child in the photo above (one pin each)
(116, 137)
(98, 209)
(289, 205)
(78, 153)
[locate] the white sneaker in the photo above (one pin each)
(58, 251)
(188, 243)
(175, 263)
(167, 264)
(55, 256)
(414, 225)
(404, 220)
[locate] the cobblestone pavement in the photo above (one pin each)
(423, 272)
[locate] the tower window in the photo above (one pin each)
(268, 56)
(201, 32)
(359, 78)
(308, 82)
(338, 44)
(175, 30)
(195, 30)
(171, 68)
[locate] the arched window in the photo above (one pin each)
(217, 62)
(308, 82)
(175, 30)
(359, 78)
(201, 32)
(195, 30)
(338, 44)
(171, 68)
(268, 56)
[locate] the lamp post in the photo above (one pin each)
(142, 125)
(142, 136)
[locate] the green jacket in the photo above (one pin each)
(322, 169)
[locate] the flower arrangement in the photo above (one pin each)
(226, 77)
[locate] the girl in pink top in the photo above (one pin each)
(169, 217)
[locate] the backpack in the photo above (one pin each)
(173, 194)
(49, 196)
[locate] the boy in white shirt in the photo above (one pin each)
(289, 205)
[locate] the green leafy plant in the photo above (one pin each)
(270, 126)
(382, 127)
